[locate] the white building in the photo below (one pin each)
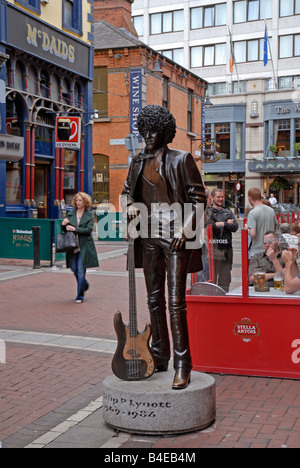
(256, 102)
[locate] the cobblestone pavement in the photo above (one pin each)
(54, 355)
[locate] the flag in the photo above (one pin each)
(231, 57)
(266, 58)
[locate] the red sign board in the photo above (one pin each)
(68, 132)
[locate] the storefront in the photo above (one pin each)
(225, 128)
(281, 162)
(48, 73)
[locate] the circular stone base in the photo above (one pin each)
(151, 406)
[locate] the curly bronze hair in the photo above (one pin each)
(159, 119)
(85, 197)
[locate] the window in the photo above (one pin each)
(34, 5)
(204, 56)
(249, 51)
(138, 22)
(70, 173)
(289, 46)
(190, 111)
(206, 17)
(13, 183)
(297, 130)
(100, 88)
(72, 15)
(252, 10)
(223, 139)
(166, 22)
(282, 135)
(177, 55)
(100, 179)
(289, 7)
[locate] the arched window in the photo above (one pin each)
(32, 80)
(19, 76)
(44, 82)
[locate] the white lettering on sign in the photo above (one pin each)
(50, 44)
(296, 353)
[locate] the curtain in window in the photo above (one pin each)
(209, 16)
(252, 51)
(239, 15)
(266, 9)
(285, 46)
(178, 20)
(138, 22)
(286, 7)
(167, 22)
(240, 51)
(253, 10)
(196, 56)
(196, 18)
(155, 23)
(297, 45)
(220, 14)
(220, 54)
(209, 53)
(178, 56)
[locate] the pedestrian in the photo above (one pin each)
(272, 199)
(261, 219)
(81, 221)
(161, 177)
(223, 224)
(269, 261)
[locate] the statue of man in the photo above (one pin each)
(160, 177)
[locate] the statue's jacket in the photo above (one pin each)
(185, 186)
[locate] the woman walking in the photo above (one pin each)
(81, 221)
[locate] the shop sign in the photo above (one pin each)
(246, 329)
(68, 132)
(135, 100)
(35, 37)
(11, 148)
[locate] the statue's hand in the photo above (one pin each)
(177, 242)
(132, 212)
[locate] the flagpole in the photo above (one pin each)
(233, 60)
(274, 75)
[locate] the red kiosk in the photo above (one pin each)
(244, 332)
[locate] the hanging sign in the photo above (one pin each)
(68, 132)
(135, 100)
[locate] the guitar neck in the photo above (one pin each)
(133, 330)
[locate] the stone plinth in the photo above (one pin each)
(151, 406)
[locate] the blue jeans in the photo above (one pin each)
(79, 272)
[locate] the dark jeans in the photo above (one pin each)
(159, 261)
(223, 266)
(79, 272)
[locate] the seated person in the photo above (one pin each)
(292, 272)
(269, 261)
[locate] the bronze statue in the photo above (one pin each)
(159, 177)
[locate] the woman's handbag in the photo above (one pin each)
(66, 242)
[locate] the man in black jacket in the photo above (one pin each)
(160, 177)
(223, 224)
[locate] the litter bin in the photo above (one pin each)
(110, 226)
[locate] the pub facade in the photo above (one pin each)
(46, 79)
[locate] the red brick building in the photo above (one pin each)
(128, 76)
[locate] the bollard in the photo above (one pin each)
(36, 247)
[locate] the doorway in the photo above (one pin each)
(42, 188)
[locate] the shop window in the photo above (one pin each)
(100, 179)
(70, 175)
(297, 130)
(238, 141)
(43, 140)
(223, 139)
(72, 15)
(100, 89)
(13, 183)
(282, 135)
